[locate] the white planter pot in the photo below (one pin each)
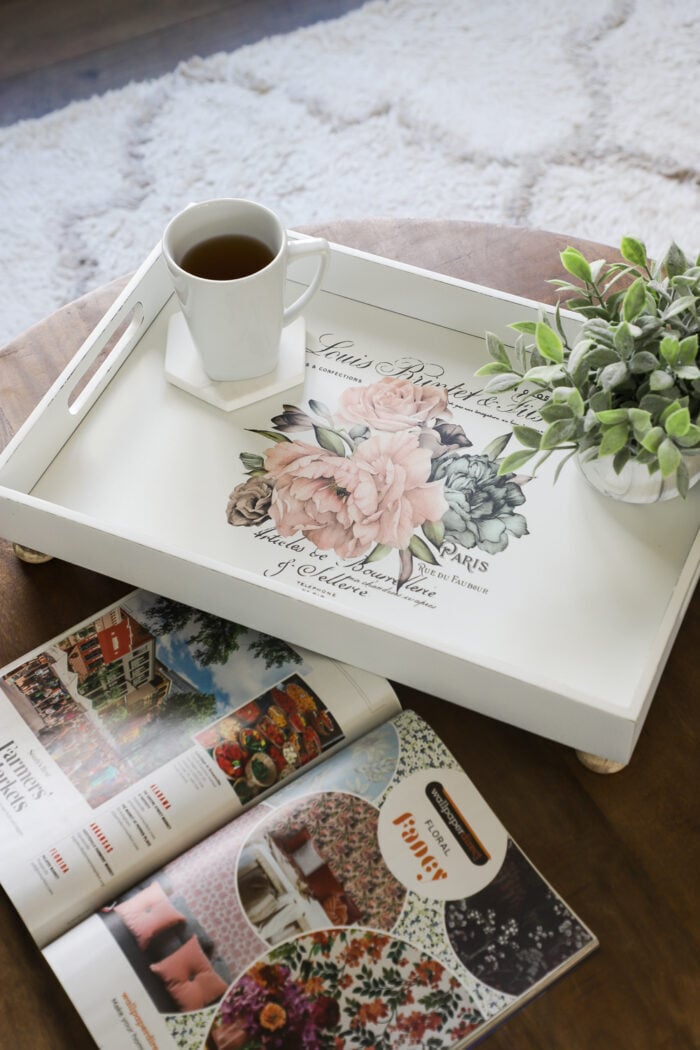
(634, 483)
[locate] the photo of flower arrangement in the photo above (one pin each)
(266, 739)
(337, 989)
(386, 472)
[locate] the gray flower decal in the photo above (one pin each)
(481, 503)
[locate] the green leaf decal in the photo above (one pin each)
(434, 531)
(251, 461)
(377, 553)
(271, 435)
(330, 440)
(495, 448)
(420, 549)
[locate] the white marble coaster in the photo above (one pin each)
(183, 368)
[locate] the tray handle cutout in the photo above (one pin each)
(109, 347)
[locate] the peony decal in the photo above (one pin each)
(387, 472)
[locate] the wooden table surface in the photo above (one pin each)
(622, 849)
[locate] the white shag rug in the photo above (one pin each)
(582, 118)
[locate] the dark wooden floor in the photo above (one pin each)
(53, 52)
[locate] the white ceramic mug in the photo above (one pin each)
(236, 323)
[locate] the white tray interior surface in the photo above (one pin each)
(565, 632)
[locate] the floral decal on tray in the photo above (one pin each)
(386, 472)
(337, 989)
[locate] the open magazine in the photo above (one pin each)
(222, 842)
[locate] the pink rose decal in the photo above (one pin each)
(349, 504)
(392, 404)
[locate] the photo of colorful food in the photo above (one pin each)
(268, 738)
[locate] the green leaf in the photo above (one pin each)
(548, 343)
(678, 423)
(551, 412)
(493, 368)
(614, 439)
(330, 440)
(691, 439)
(660, 380)
(574, 262)
(271, 435)
(543, 375)
(377, 553)
(669, 408)
(682, 479)
(669, 457)
(575, 402)
(601, 400)
(527, 436)
(653, 438)
(621, 458)
(601, 357)
(434, 531)
(505, 381)
(578, 353)
(556, 433)
(643, 361)
(420, 549)
(633, 251)
(634, 300)
(690, 372)
(678, 306)
(512, 463)
(640, 420)
(675, 261)
(624, 339)
(613, 375)
(670, 349)
(611, 416)
(496, 349)
(688, 350)
(528, 327)
(562, 462)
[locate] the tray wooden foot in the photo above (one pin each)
(29, 555)
(599, 765)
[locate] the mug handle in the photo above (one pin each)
(310, 246)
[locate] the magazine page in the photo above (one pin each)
(141, 730)
(375, 901)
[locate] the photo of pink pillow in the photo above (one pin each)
(189, 976)
(148, 913)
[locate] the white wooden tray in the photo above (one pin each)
(558, 619)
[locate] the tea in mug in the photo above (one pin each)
(227, 257)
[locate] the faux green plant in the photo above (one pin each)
(628, 384)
